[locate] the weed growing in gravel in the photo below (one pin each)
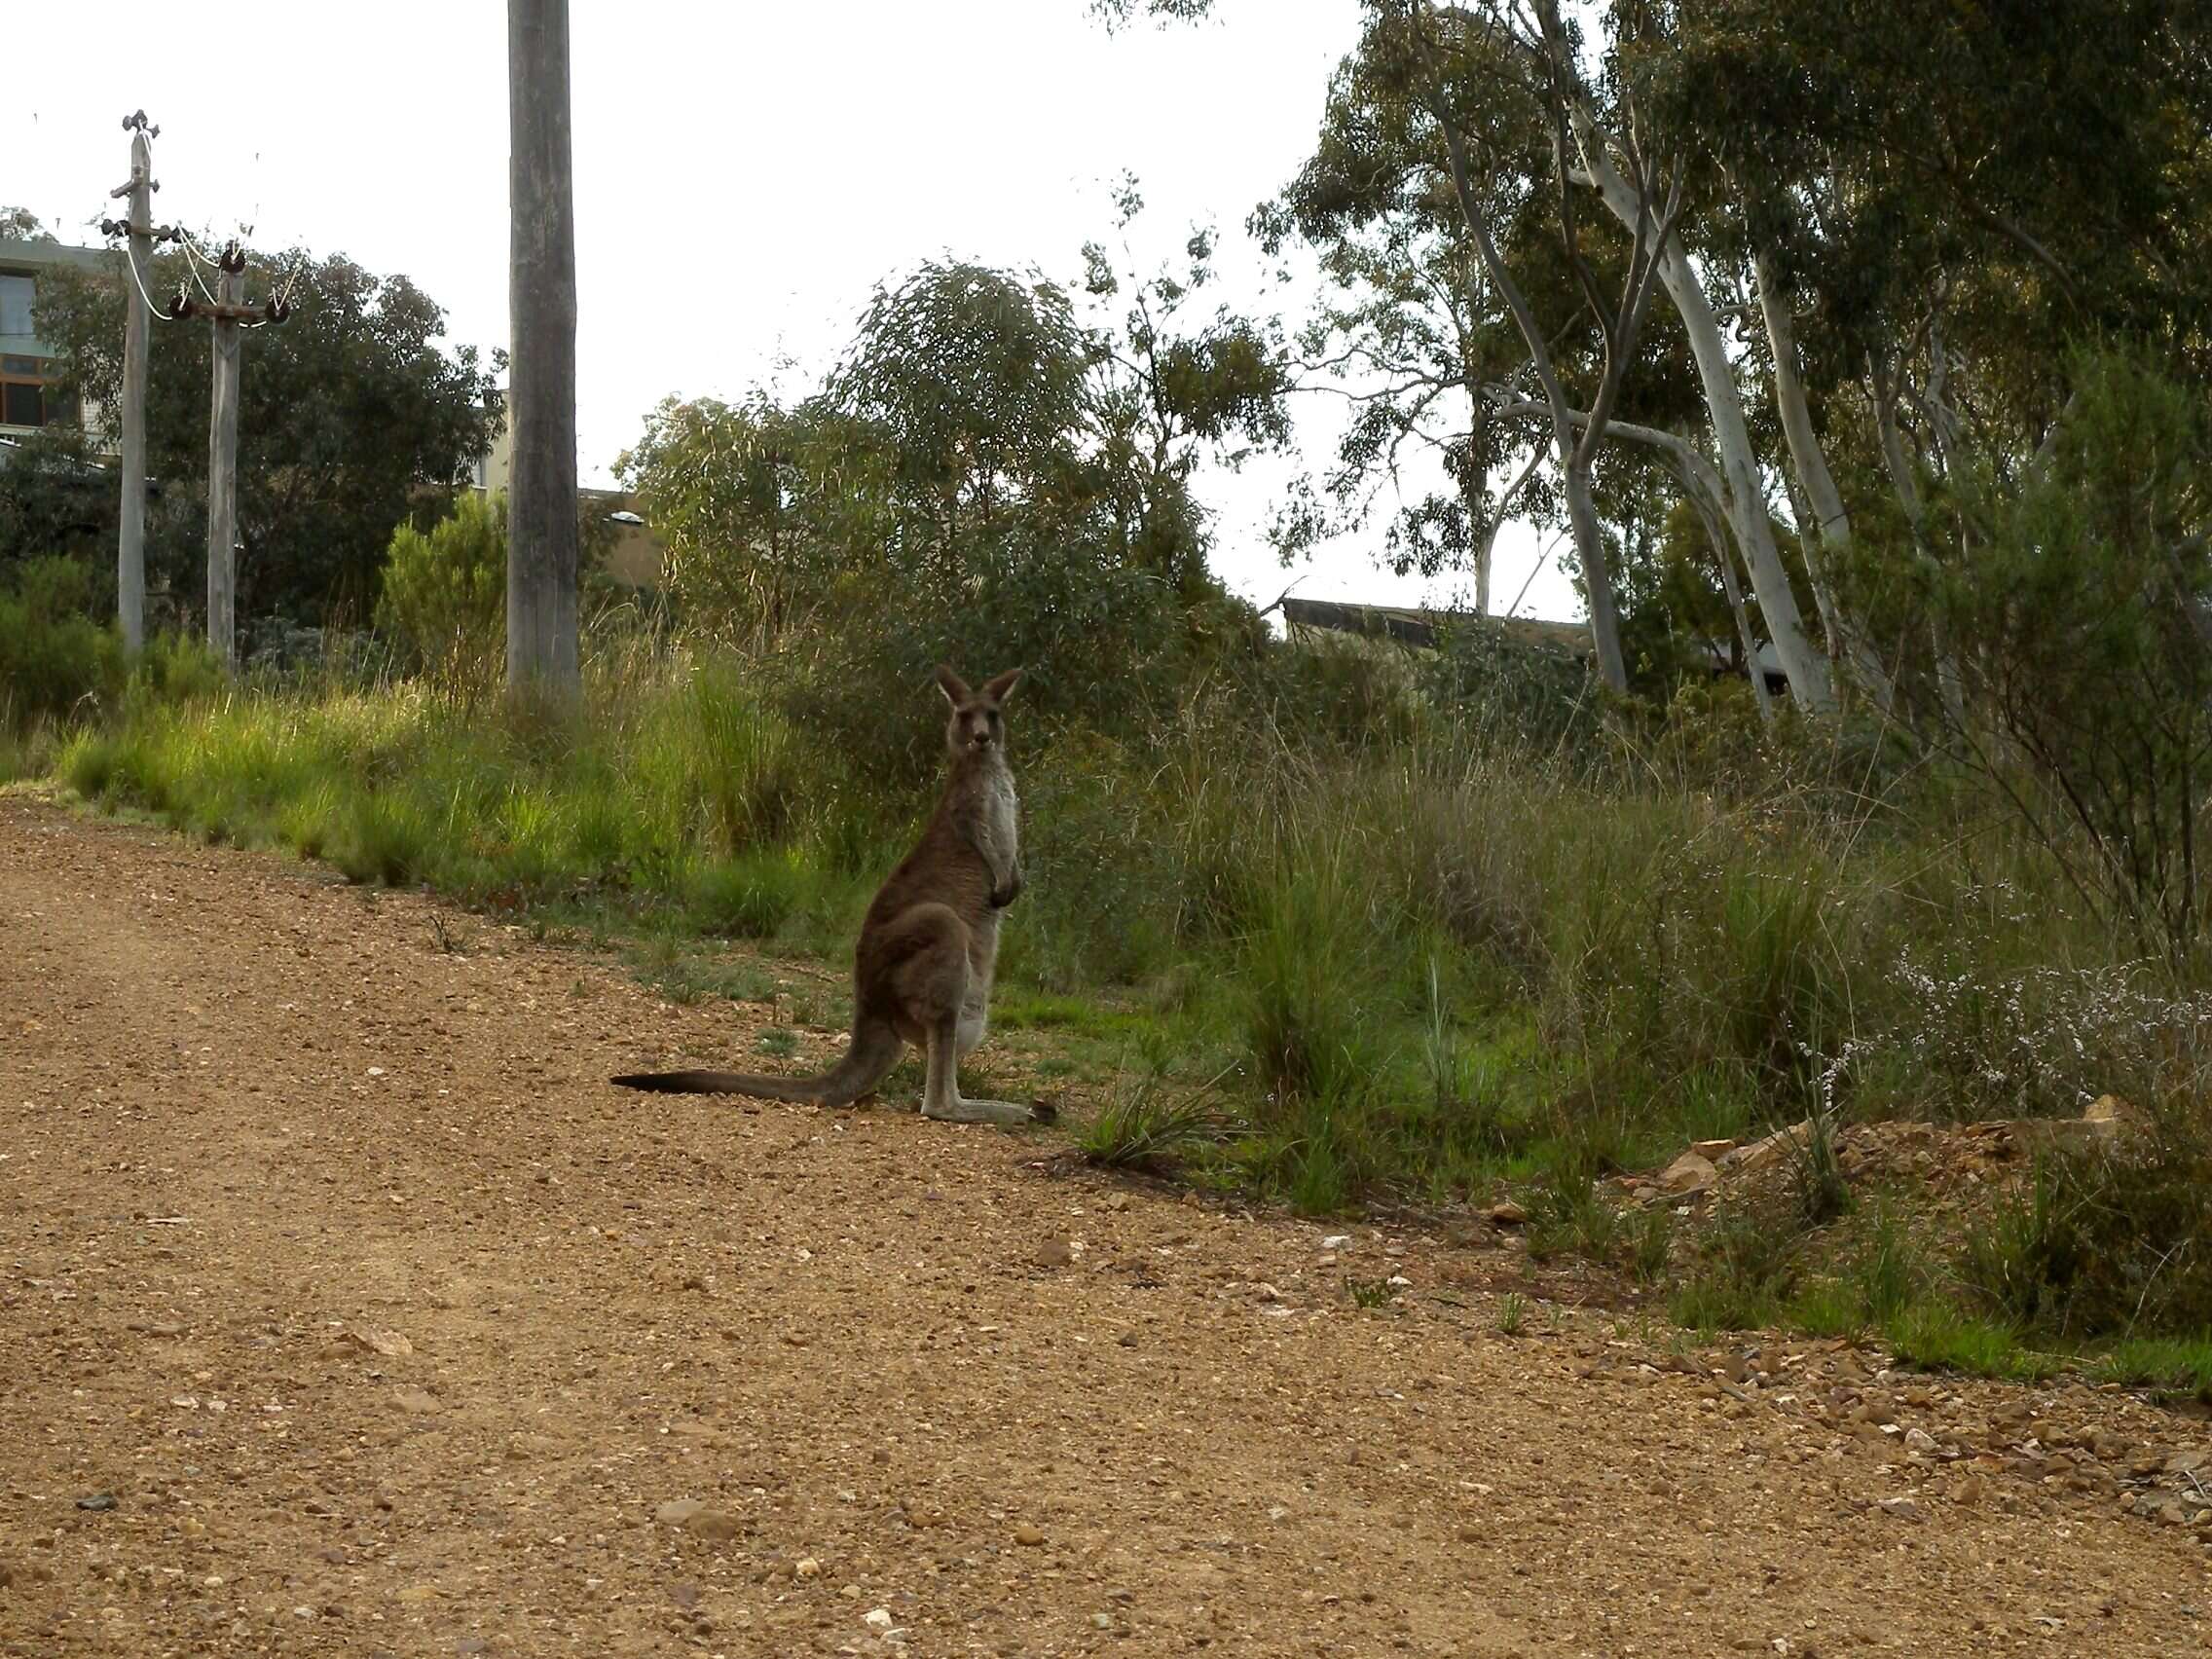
(1370, 1293)
(1145, 1125)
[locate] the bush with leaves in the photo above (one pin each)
(53, 655)
(445, 591)
(2078, 596)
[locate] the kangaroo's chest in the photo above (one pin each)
(995, 818)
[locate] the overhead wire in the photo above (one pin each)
(138, 281)
(194, 259)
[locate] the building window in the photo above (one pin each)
(16, 296)
(24, 400)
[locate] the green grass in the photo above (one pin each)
(1411, 972)
(1937, 1336)
(1143, 1124)
(2175, 1367)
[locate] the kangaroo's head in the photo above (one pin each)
(976, 727)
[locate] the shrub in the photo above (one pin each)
(2104, 1242)
(1146, 1125)
(445, 591)
(53, 657)
(747, 897)
(2082, 583)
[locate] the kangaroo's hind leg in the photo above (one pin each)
(932, 985)
(941, 1095)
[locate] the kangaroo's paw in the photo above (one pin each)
(1009, 1112)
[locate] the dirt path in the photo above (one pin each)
(252, 1122)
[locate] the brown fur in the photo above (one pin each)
(923, 965)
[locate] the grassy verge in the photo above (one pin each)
(1321, 970)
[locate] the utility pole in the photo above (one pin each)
(541, 403)
(231, 315)
(226, 307)
(223, 465)
(130, 546)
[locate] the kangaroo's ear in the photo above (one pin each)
(996, 690)
(955, 687)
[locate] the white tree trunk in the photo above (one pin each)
(1486, 551)
(1832, 524)
(1807, 669)
(1712, 515)
(1589, 542)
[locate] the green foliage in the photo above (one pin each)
(2173, 1367)
(2104, 1244)
(768, 515)
(747, 897)
(53, 657)
(1146, 1125)
(345, 410)
(2085, 589)
(445, 591)
(1937, 1336)
(975, 379)
(55, 499)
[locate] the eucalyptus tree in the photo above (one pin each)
(1171, 385)
(975, 379)
(1927, 200)
(1411, 332)
(1459, 89)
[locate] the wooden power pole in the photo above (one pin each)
(130, 546)
(223, 463)
(541, 400)
(230, 313)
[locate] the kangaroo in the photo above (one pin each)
(922, 967)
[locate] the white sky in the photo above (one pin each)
(745, 172)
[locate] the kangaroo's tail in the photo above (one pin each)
(874, 1050)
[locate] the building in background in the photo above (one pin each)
(28, 367)
(633, 551)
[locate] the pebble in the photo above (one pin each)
(714, 1524)
(1027, 1534)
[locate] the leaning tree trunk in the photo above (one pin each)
(1589, 540)
(1492, 519)
(1832, 524)
(1712, 515)
(1806, 668)
(1597, 576)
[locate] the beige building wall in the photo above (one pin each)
(635, 556)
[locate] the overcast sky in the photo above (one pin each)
(745, 173)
